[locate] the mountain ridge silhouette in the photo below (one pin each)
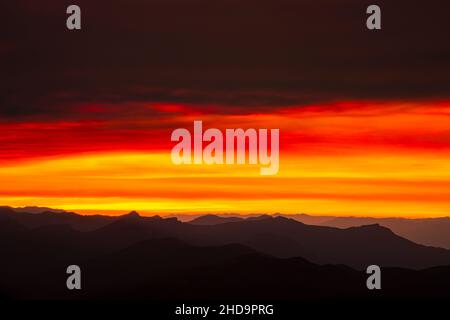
(277, 236)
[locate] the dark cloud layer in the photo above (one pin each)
(251, 55)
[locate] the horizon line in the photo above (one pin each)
(146, 213)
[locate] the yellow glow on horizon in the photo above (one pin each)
(112, 183)
(360, 159)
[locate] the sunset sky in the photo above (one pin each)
(86, 117)
(349, 158)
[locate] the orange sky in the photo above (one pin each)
(349, 158)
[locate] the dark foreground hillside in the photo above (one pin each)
(163, 259)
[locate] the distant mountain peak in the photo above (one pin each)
(261, 217)
(132, 214)
(210, 216)
(372, 226)
(211, 219)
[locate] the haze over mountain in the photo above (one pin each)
(431, 231)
